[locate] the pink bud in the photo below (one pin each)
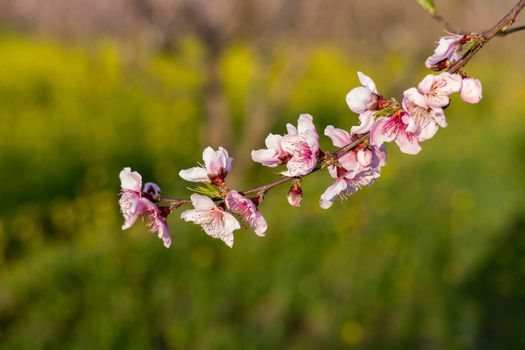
(471, 91)
(152, 189)
(295, 194)
(360, 99)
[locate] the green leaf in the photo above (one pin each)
(469, 46)
(428, 5)
(209, 190)
(385, 112)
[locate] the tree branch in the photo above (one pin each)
(486, 36)
(501, 28)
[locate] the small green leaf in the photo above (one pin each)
(209, 191)
(385, 112)
(428, 5)
(469, 46)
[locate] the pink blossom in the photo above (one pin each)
(436, 89)
(133, 205)
(216, 222)
(273, 155)
(448, 49)
(302, 145)
(358, 168)
(217, 165)
(362, 98)
(425, 120)
(395, 128)
(298, 149)
(471, 92)
(247, 211)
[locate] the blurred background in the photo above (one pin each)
(430, 257)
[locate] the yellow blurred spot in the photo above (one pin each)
(352, 332)
(202, 256)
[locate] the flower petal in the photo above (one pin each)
(130, 180)
(367, 82)
(408, 143)
(367, 120)
(331, 193)
(339, 137)
(195, 174)
(305, 123)
(380, 133)
(201, 202)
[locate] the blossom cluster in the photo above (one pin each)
(357, 161)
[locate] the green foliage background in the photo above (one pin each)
(432, 256)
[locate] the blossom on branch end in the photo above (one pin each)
(133, 204)
(448, 50)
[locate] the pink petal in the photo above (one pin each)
(130, 180)
(196, 174)
(332, 192)
(201, 202)
(339, 137)
(428, 132)
(164, 233)
(367, 120)
(415, 97)
(266, 157)
(292, 130)
(379, 133)
(367, 82)
(364, 157)
(407, 143)
(305, 124)
(247, 211)
(131, 207)
(360, 99)
(471, 92)
(439, 116)
(210, 159)
(273, 142)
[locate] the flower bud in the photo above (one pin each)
(152, 189)
(295, 194)
(360, 99)
(471, 91)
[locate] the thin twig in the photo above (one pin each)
(486, 36)
(511, 30)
